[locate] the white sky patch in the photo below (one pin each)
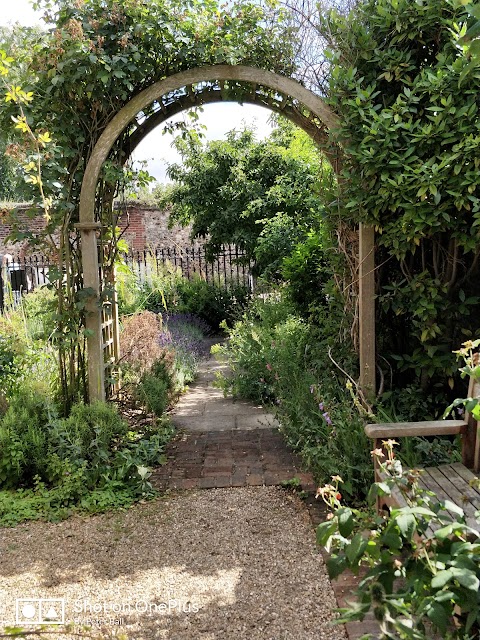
(156, 149)
(21, 11)
(219, 119)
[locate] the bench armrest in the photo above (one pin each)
(426, 428)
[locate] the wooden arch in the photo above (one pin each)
(273, 91)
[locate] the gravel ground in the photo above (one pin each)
(218, 564)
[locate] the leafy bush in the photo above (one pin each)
(307, 273)
(163, 289)
(422, 561)
(88, 461)
(24, 436)
(408, 102)
(8, 366)
(213, 302)
(155, 387)
(39, 308)
(157, 292)
(88, 431)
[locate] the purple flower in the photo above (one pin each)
(320, 406)
(328, 420)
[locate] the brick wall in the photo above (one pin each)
(27, 223)
(145, 227)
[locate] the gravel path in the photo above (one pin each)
(216, 564)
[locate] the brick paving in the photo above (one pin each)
(230, 458)
(227, 443)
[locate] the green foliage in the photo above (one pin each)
(275, 356)
(469, 370)
(18, 41)
(422, 569)
(158, 292)
(8, 366)
(39, 309)
(213, 302)
(51, 467)
(409, 115)
(308, 271)
(263, 197)
(24, 437)
(155, 387)
(165, 290)
(9, 178)
(160, 357)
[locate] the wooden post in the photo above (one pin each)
(116, 322)
(93, 311)
(367, 309)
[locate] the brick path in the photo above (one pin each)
(228, 443)
(230, 458)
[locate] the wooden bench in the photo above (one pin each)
(448, 481)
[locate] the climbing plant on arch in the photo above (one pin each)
(310, 112)
(96, 75)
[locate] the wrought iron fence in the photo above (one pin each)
(21, 275)
(230, 266)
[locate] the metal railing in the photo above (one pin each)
(230, 266)
(22, 275)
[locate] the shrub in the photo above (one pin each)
(160, 356)
(24, 436)
(212, 302)
(139, 342)
(422, 573)
(88, 431)
(88, 461)
(8, 366)
(155, 387)
(157, 292)
(40, 308)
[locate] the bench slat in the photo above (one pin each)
(425, 428)
(456, 488)
(448, 482)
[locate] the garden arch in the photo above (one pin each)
(278, 93)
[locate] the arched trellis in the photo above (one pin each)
(172, 95)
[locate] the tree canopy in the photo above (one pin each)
(265, 196)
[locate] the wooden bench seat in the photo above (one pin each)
(448, 481)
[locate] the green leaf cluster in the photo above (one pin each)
(410, 125)
(265, 197)
(421, 573)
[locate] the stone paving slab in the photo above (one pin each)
(205, 408)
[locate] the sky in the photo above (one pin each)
(156, 149)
